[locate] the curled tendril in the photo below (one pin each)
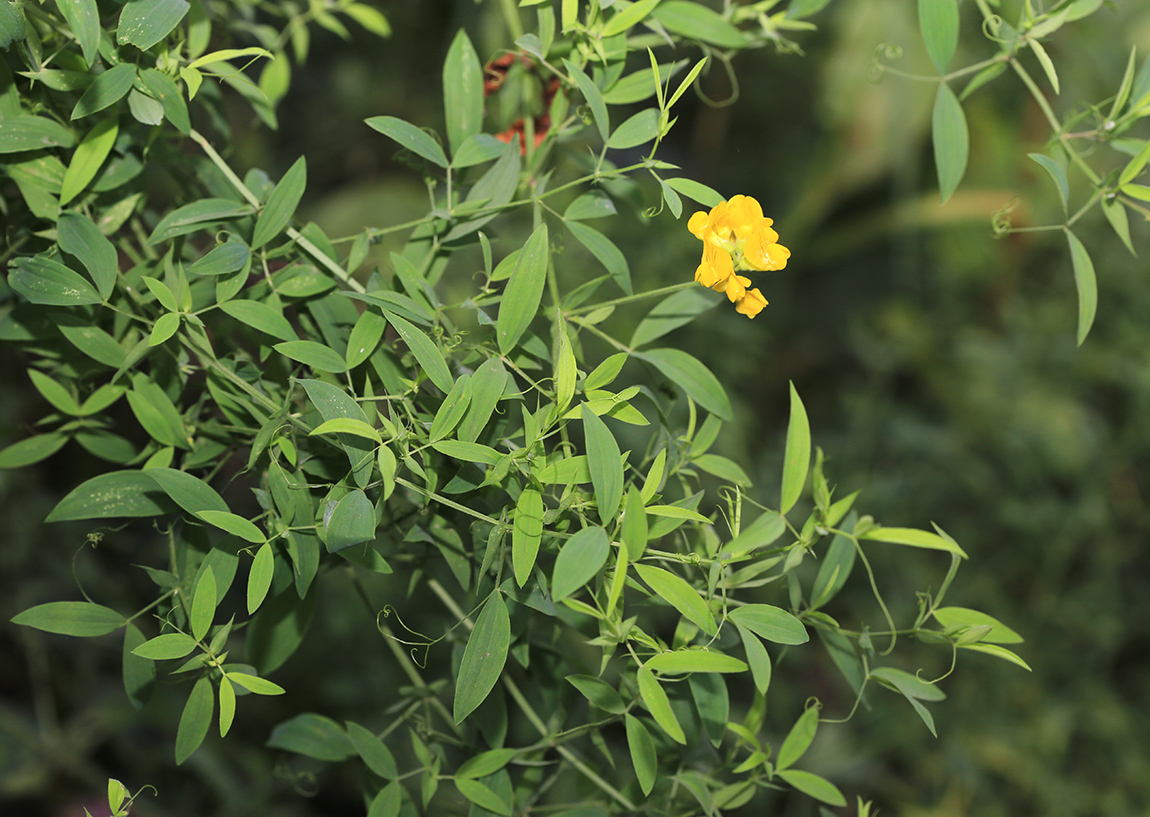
(731, 77)
(1000, 223)
(990, 27)
(651, 212)
(875, 72)
(425, 645)
(891, 52)
(304, 783)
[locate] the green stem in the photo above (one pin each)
(442, 500)
(511, 16)
(652, 293)
(292, 232)
(1048, 112)
(530, 712)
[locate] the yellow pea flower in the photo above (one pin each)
(737, 236)
(751, 304)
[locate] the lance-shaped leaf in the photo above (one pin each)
(483, 657)
(143, 23)
(579, 560)
(426, 353)
(109, 88)
(659, 705)
(76, 618)
(524, 290)
(814, 786)
(80, 237)
(938, 20)
(799, 738)
(912, 537)
(282, 202)
(681, 661)
(643, 756)
(84, 19)
(689, 374)
(1087, 284)
(462, 91)
(951, 140)
(410, 137)
(351, 523)
(526, 533)
(44, 281)
(770, 622)
(797, 460)
(195, 720)
(680, 595)
(88, 158)
(605, 463)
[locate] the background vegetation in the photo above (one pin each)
(938, 366)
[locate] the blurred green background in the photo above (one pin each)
(938, 365)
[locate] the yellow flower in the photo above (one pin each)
(751, 304)
(715, 268)
(736, 236)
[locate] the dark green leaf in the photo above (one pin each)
(84, 19)
(315, 355)
(189, 492)
(195, 720)
(524, 290)
(634, 532)
(33, 133)
(112, 495)
(655, 699)
(31, 450)
(162, 87)
(605, 252)
(643, 756)
(108, 88)
(44, 281)
(579, 560)
(143, 23)
(261, 316)
(78, 236)
(235, 525)
(196, 216)
(799, 738)
(88, 158)
(605, 463)
(352, 522)
(757, 657)
(426, 353)
(482, 797)
(373, 751)
(526, 532)
(593, 96)
(313, 736)
(223, 259)
(599, 693)
(483, 657)
(282, 202)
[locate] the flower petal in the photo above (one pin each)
(751, 304)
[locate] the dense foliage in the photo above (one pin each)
(452, 464)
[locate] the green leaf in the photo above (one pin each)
(951, 140)
(260, 577)
(494, 189)
(79, 237)
(909, 685)
(410, 137)
(1045, 62)
(224, 259)
(797, 460)
(722, 468)
(526, 533)
(524, 289)
(692, 189)
(605, 463)
(195, 720)
(767, 528)
(462, 92)
(593, 204)
(640, 85)
(689, 660)
(643, 756)
(997, 652)
(234, 524)
(33, 133)
(166, 647)
(1087, 284)
(426, 353)
(282, 203)
(835, 568)
(89, 157)
(483, 657)
(655, 699)
(203, 604)
(484, 764)
(261, 316)
(757, 657)
(798, 739)
(373, 751)
(1057, 175)
(255, 684)
(1135, 165)
(477, 149)
(313, 736)
(189, 492)
(388, 802)
(814, 786)
(938, 21)
(599, 693)
(692, 377)
(84, 19)
(365, 337)
(196, 216)
(113, 495)
(593, 96)
(227, 706)
(579, 560)
(999, 633)
(333, 402)
(107, 89)
(316, 355)
(1115, 213)
(347, 425)
(696, 22)
(54, 393)
(639, 129)
(913, 537)
(31, 450)
(770, 622)
(680, 595)
(164, 88)
(625, 19)
(605, 252)
(143, 23)
(77, 618)
(482, 797)
(44, 281)
(468, 452)
(351, 523)
(634, 532)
